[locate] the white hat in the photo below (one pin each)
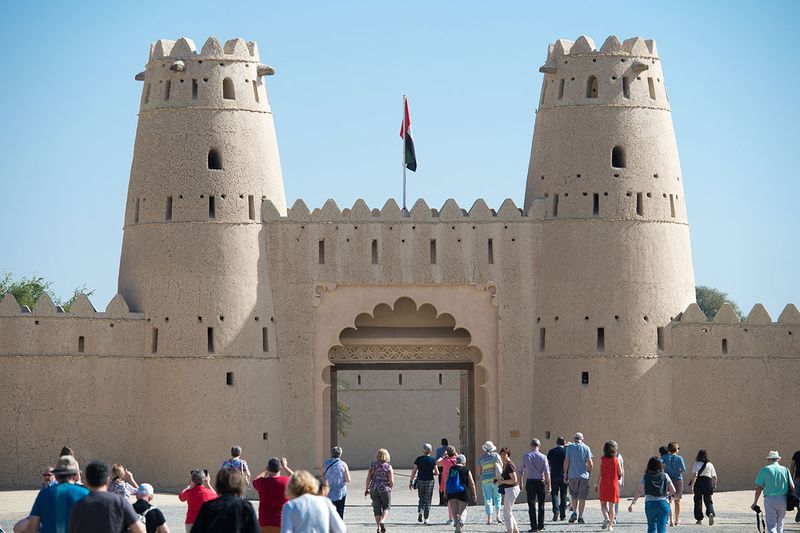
(489, 446)
(145, 489)
(774, 455)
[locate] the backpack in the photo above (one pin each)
(454, 484)
(143, 516)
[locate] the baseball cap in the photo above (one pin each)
(145, 489)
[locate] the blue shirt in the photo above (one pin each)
(534, 465)
(440, 451)
(775, 480)
(334, 473)
(578, 454)
(311, 514)
(54, 504)
(674, 466)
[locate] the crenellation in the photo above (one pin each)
(790, 316)
(758, 316)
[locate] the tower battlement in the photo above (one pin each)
(184, 48)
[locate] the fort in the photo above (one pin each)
(239, 319)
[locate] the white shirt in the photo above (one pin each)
(708, 472)
(311, 514)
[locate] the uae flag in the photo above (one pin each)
(405, 133)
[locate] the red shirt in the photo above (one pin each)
(271, 497)
(195, 497)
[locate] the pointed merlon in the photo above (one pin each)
(330, 212)
(44, 306)
(360, 212)
(726, 315)
(269, 213)
(480, 211)
(212, 47)
(562, 47)
(611, 45)
(790, 316)
(9, 306)
(636, 46)
(693, 315)
(420, 211)
(299, 211)
(759, 316)
(161, 49)
(509, 210)
(583, 45)
(252, 46)
(550, 49)
(82, 307)
(651, 45)
(237, 48)
(450, 211)
(391, 211)
(183, 48)
(117, 307)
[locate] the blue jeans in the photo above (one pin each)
(657, 514)
(491, 498)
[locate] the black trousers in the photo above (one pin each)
(559, 486)
(339, 504)
(534, 489)
(702, 495)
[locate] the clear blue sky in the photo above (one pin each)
(68, 117)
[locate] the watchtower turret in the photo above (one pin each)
(616, 259)
(205, 158)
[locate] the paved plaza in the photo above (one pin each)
(734, 515)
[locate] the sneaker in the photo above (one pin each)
(383, 528)
(699, 523)
(611, 527)
(449, 522)
(711, 520)
(573, 518)
(419, 518)
(427, 522)
(606, 523)
(580, 521)
(499, 519)
(797, 516)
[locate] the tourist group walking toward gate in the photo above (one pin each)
(295, 501)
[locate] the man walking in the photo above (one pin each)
(102, 511)
(154, 521)
(674, 467)
(558, 494)
(53, 505)
(774, 481)
(577, 470)
(536, 475)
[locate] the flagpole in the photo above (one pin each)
(405, 132)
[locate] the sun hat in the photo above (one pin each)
(145, 489)
(489, 446)
(774, 455)
(578, 436)
(66, 465)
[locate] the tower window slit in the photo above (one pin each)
(146, 92)
(265, 339)
(639, 204)
(322, 252)
(194, 89)
(81, 344)
(618, 157)
(433, 251)
(359, 379)
(542, 338)
(660, 338)
(251, 207)
(400, 379)
(652, 88)
(672, 206)
(724, 346)
(591, 87)
(601, 340)
(154, 341)
(167, 88)
(136, 211)
(210, 339)
(214, 159)
(626, 87)
(561, 88)
(440, 379)
(168, 213)
(374, 251)
(229, 379)
(555, 205)
(255, 90)
(228, 90)
(490, 251)
(584, 378)
(212, 210)
(596, 204)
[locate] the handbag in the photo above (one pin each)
(791, 498)
(501, 489)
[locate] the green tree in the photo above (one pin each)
(710, 300)
(28, 290)
(344, 415)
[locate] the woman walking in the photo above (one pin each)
(608, 484)
(337, 473)
(423, 474)
(489, 468)
(508, 486)
(445, 463)
(657, 488)
(307, 511)
(704, 479)
(380, 480)
(461, 491)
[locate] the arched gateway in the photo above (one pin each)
(414, 328)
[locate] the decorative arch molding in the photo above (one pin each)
(472, 307)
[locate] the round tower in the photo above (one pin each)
(615, 261)
(205, 158)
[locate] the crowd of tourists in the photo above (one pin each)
(290, 501)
